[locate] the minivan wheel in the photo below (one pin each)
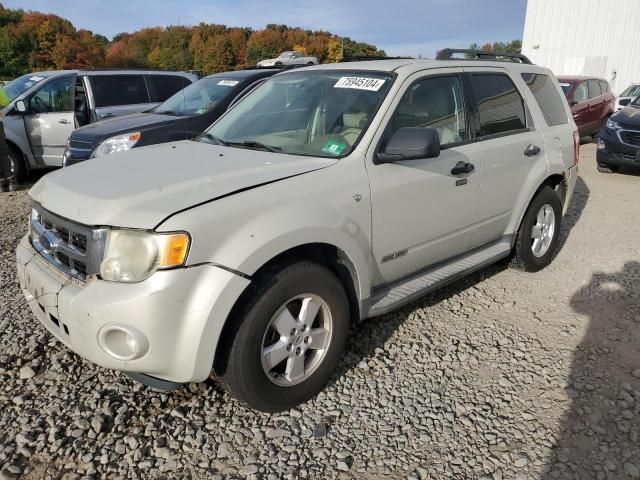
(17, 164)
(289, 337)
(538, 235)
(607, 168)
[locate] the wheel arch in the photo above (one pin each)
(326, 254)
(558, 182)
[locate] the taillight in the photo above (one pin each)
(576, 147)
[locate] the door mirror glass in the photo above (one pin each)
(21, 107)
(411, 143)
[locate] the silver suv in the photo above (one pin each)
(326, 196)
(46, 107)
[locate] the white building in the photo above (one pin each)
(585, 37)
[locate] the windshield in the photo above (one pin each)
(21, 84)
(566, 87)
(320, 113)
(198, 98)
(632, 91)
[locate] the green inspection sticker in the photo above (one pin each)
(333, 148)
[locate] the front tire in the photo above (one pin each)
(537, 238)
(290, 334)
(17, 165)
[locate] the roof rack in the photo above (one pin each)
(364, 58)
(447, 54)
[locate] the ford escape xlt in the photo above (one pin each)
(326, 196)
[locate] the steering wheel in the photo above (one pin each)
(39, 104)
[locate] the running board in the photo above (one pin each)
(392, 296)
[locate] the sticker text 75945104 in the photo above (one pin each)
(360, 83)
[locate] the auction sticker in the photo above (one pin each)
(228, 83)
(360, 83)
(333, 148)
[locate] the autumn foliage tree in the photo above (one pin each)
(31, 41)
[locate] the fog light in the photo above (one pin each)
(601, 145)
(123, 342)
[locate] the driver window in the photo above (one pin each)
(582, 93)
(55, 96)
(437, 103)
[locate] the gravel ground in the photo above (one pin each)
(505, 375)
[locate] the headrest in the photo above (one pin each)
(354, 119)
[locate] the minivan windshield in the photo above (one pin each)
(17, 87)
(314, 112)
(198, 98)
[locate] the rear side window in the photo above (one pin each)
(548, 98)
(604, 86)
(500, 105)
(594, 89)
(581, 93)
(114, 90)
(164, 86)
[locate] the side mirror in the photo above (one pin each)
(21, 107)
(410, 143)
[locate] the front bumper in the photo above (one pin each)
(175, 316)
(613, 152)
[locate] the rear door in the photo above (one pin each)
(115, 95)
(580, 108)
(49, 119)
(510, 147)
(597, 104)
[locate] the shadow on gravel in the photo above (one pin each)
(577, 205)
(599, 435)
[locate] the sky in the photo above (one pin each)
(400, 27)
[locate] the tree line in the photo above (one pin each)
(31, 41)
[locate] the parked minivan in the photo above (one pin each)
(47, 106)
(591, 102)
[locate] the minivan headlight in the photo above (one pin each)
(119, 143)
(612, 124)
(132, 256)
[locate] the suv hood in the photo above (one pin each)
(141, 187)
(99, 131)
(628, 115)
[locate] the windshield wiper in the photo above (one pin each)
(168, 112)
(254, 144)
(210, 136)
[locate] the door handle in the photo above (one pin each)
(532, 150)
(107, 115)
(462, 167)
(64, 121)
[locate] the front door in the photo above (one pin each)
(422, 213)
(49, 119)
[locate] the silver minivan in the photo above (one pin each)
(46, 107)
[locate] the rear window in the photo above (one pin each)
(164, 86)
(548, 98)
(566, 88)
(114, 90)
(500, 106)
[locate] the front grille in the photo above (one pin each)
(80, 145)
(630, 138)
(73, 248)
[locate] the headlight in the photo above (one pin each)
(613, 125)
(119, 143)
(132, 256)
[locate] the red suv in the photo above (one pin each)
(591, 101)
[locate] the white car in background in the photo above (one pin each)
(288, 58)
(627, 96)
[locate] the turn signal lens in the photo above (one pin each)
(173, 249)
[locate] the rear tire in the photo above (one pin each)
(275, 330)
(537, 238)
(607, 168)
